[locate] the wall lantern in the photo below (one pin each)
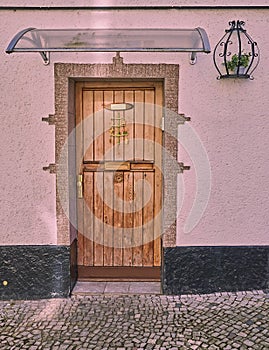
(236, 54)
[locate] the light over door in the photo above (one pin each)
(119, 157)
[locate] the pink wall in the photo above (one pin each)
(229, 117)
(129, 3)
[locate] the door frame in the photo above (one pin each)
(65, 75)
(122, 270)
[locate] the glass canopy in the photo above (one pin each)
(103, 40)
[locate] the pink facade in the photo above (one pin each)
(226, 142)
(228, 116)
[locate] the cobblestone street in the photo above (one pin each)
(215, 321)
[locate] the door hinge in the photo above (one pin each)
(80, 186)
(51, 168)
(50, 119)
(182, 118)
(183, 167)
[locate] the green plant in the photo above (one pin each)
(235, 62)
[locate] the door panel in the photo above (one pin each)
(119, 216)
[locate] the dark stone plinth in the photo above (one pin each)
(34, 272)
(195, 270)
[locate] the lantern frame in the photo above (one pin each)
(236, 55)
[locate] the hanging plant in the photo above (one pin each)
(236, 62)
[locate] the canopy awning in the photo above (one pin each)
(45, 41)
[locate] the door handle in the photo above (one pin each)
(80, 186)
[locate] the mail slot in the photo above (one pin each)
(117, 166)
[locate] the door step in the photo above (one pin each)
(85, 288)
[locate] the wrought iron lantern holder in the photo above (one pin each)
(236, 55)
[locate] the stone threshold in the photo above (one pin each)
(84, 288)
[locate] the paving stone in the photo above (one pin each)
(131, 322)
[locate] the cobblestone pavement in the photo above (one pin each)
(132, 322)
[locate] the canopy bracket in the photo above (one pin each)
(193, 58)
(45, 57)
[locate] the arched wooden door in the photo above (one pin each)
(119, 157)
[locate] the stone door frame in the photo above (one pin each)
(66, 75)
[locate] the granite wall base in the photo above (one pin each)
(36, 272)
(201, 270)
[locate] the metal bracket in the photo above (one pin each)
(183, 167)
(117, 59)
(51, 168)
(50, 119)
(193, 58)
(45, 57)
(183, 119)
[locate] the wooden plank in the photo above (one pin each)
(98, 125)
(142, 166)
(79, 156)
(98, 219)
(158, 178)
(88, 136)
(119, 116)
(104, 166)
(119, 273)
(139, 128)
(118, 217)
(128, 219)
(88, 251)
(93, 167)
(80, 238)
(79, 127)
(138, 220)
(129, 119)
(108, 218)
(119, 84)
(148, 223)
(149, 125)
(108, 141)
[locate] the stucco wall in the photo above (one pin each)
(230, 118)
(130, 3)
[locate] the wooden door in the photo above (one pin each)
(119, 155)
